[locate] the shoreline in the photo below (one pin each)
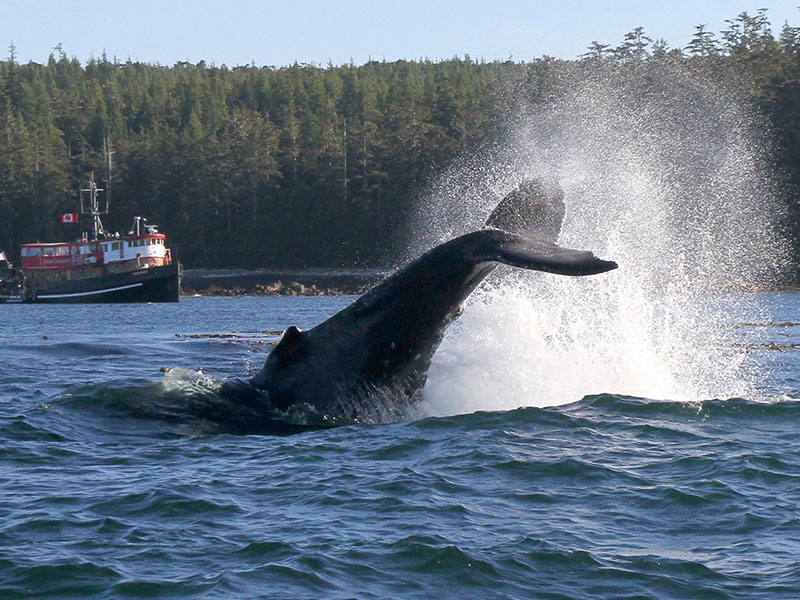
(330, 282)
(263, 282)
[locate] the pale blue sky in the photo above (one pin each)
(238, 32)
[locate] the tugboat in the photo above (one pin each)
(100, 266)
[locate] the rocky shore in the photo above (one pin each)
(307, 282)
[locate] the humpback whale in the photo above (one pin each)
(382, 344)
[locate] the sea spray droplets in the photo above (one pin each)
(665, 174)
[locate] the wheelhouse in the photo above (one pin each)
(144, 250)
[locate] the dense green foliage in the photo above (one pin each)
(305, 165)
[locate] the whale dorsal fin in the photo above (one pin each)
(289, 342)
(291, 335)
(535, 209)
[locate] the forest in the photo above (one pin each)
(308, 165)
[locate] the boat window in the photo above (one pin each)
(62, 251)
(31, 252)
(115, 246)
(48, 251)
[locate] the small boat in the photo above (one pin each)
(100, 266)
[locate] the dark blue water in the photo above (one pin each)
(108, 491)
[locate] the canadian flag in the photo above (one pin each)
(69, 218)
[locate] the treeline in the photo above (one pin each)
(247, 166)
(307, 165)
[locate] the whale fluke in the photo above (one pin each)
(534, 209)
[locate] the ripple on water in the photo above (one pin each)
(75, 579)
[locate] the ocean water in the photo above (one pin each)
(519, 477)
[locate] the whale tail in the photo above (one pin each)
(533, 214)
(534, 210)
(535, 254)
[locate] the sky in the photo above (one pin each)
(242, 32)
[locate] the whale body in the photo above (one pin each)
(382, 344)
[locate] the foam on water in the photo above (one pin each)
(665, 174)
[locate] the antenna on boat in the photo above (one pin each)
(90, 195)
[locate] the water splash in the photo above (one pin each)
(667, 175)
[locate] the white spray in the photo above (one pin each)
(672, 182)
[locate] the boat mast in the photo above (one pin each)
(90, 194)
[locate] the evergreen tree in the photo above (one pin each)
(703, 44)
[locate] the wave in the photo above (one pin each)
(186, 402)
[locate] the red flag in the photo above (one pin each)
(69, 218)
